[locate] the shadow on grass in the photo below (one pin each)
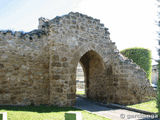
(39, 109)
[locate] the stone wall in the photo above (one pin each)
(39, 67)
(24, 68)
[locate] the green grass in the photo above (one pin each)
(80, 92)
(44, 113)
(147, 106)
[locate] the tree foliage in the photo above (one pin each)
(141, 57)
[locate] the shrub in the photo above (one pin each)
(141, 57)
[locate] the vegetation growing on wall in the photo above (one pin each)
(141, 57)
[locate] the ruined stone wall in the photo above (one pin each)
(40, 66)
(73, 36)
(132, 82)
(77, 34)
(24, 63)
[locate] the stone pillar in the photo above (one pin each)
(62, 73)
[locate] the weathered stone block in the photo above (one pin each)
(71, 96)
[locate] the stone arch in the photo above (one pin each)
(86, 48)
(100, 68)
(93, 66)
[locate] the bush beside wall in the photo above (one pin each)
(141, 57)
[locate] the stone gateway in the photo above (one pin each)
(39, 67)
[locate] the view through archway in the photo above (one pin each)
(80, 83)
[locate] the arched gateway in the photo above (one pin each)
(39, 67)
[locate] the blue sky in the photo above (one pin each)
(130, 22)
(24, 14)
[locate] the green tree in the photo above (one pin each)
(141, 57)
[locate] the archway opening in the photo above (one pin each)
(93, 81)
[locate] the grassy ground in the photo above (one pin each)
(80, 92)
(44, 113)
(147, 106)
